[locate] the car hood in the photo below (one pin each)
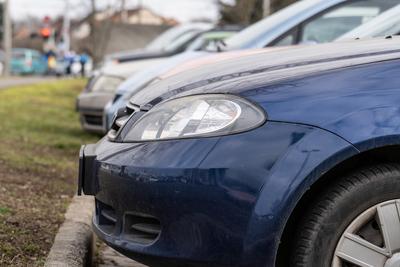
(140, 55)
(239, 74)
(174, 65)
(147, 75)
(125, 70)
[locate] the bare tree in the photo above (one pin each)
(100, 31)
(124, 13)
(242, 12)
(267, 8)
(246, 12)
(279, 4)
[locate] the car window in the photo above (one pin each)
(36, 56)
(340, 20)
(18, 55)
(287, 39)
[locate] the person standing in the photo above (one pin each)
(84, 58)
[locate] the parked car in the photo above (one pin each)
(323, 18)
(27, 61)
(309, 21)
(98, 92)
(92, 103)
(171, 42)
(280, 158)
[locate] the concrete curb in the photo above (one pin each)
(74, 242)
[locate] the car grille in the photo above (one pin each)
(107, 218)
(139, 228)
(93, 120)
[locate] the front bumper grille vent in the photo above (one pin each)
(93, 120)
(107, 217)
(141, 229)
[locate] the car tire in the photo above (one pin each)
(324, 228)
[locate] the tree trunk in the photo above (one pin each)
(93, 34)
(244, 12)
(267, 8)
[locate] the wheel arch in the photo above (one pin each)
(383, 154)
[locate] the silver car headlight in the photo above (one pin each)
(197, 116)
(106, 84)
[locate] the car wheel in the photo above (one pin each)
(355, 221)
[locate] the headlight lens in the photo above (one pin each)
(196, 116)
(106, 84)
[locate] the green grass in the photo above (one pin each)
(4, 211)
(40, 138)
(38, 122)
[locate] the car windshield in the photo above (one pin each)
(181, 42)
(386, 24)
(208, 41)
(323, 27)
(167, 37)
(393, 29)
(253, 32)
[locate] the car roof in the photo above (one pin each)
(274, 64)
(384, 24)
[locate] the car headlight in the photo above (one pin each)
(197, 116)
(106, 84)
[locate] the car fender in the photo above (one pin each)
(376, 127)
(291, 177)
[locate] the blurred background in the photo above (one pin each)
(57, 36)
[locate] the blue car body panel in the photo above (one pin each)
(225, 201)
(173, 178)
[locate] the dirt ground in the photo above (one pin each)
(40, 138)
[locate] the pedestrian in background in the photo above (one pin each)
(84, 58)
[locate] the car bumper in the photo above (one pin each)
(196, 202)
(91, 109)
(92, 121)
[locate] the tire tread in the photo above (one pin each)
(326, 201)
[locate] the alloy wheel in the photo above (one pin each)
(372, 239)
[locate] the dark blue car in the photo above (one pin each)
(287, 157)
